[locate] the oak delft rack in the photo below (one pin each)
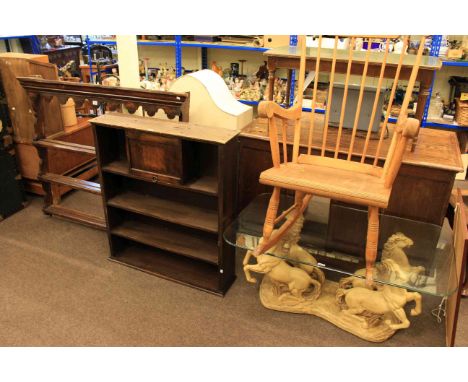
(173, 104)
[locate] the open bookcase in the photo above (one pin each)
(168, 197)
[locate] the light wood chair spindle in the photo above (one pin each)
(344, 180)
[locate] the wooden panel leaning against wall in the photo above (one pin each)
(13, 65)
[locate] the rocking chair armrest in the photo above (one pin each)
(409, 128)
(271, 109)
(404, 130)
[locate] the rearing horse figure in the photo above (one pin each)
(387, 299)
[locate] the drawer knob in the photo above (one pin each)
(155, 179)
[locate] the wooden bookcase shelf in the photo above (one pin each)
(168, 198)
(171, 211)
(197, 274)
(169, 237)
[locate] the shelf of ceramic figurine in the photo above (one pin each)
(160, 78)
(296, 280)
(252, 88)
(255, 89)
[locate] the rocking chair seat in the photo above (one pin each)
(336, 183)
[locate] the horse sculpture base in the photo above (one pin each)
(273, 297)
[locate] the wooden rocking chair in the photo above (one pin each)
(333, 177)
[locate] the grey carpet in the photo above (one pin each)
(57, 288)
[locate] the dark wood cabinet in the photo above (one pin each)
(169, 197)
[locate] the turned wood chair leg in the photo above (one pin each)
(299, 197)
(371, 243)
(271, 213)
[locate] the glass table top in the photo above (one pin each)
(414, 255)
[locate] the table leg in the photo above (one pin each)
(271, 79)
(425, 86)
(288, 87)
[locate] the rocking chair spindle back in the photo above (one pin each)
(333, 177)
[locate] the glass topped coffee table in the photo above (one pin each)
(331, 235)
(319, 266)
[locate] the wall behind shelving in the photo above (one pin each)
(158, 55)
(441, 83)
(15, 46)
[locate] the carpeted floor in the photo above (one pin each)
(57, 288)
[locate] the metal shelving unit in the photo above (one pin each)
(435, 49)
(178, 44)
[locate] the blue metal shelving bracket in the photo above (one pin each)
(156, 43)
(8, 37)
(35, 46)
(292, 42)
(221, 46)
(178, 55)
(246, 102)
(103, 42)
(455, 63)
(11, 37)
(435, 45)
(446, 126)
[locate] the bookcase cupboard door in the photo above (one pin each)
(157, 158)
